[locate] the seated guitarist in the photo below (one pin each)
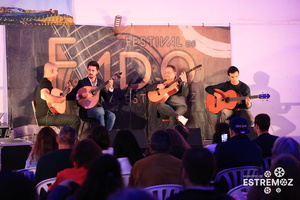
(241, 109)
(175, 106)
(43, 96)
(98, 111)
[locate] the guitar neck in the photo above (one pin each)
(242, 98)
(100, 87)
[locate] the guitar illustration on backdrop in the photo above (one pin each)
(59, 108)
(92, 101)
(170, 88)
(229, 101)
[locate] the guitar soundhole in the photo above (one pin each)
(227, 99)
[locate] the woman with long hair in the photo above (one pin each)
(45, 142)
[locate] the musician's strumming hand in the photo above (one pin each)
(160, 86)
(183, 77)
(218, 96)
(248, 102)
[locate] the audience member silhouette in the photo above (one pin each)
(238, 150)
(45, 142)
(160, 167)
(221, 128)
(101, 136)
(178, 144)
(131, 194)
(183, 130)
(198, 170)
(286, 145)
(264, 140)
(103, 178)
(51, 163)
(126, 147)
(15, 186)
(82, 154)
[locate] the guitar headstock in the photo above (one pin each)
(116, 76)
(264, 96)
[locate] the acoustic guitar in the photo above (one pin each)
(170, 88)
(91, 102)
(229, 101)
(59, 108)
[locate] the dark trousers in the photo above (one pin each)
(60, 120)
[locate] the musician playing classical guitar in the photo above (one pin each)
(43, 96)
(241, 109)
(175, 106)
(98, 111)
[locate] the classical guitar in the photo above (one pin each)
(59, 108)
(91, 102)
(170, 88)
(229, 101)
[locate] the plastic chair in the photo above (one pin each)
(28, 172)
(162, 192)
(42, 187)
(266, 163)
(234, 176)
(125, 178)
(239, 192)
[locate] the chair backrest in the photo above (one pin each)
(28, 172)
(239, 192)
(162, 192)
(125, 178)
(266, 163)
(235, 176)
(43, 186)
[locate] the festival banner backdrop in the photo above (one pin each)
(141, 53)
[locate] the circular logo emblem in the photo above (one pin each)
(267, 190)
(278, 190)
(267, 173)
(279, 172)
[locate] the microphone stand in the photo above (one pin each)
(130, 99)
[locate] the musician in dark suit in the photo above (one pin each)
(175, 106)
(241, 109)
(43, 95)
(104, 117)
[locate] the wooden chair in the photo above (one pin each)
(162, 192)
(239, 192)
(42, 187)
(227, 179)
